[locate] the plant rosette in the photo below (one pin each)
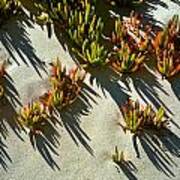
(168, 62)
(124, 60)
(66, 86)
(33, 117)
(138, 118)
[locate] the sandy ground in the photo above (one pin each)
(81, 146)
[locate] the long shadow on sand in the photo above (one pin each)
(47, 142)
(17, 43)
(4, 155)
(128, 168)
(175, 85)
(7, 116)
(109, 82)
(70, 116)
(146, 84)
(159, 147)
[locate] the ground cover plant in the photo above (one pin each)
(167, 48)
(130, 44)
(138, 118)
(65, 88)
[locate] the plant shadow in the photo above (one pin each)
(4, 155)
(8, 122)
(46, 142)
(128, 168)
(8, 108)
(175, 85)
(146, 85)
(70, 116)
(16, 41)
(109, 82)
(159, 147)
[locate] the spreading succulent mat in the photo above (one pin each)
(124, 82)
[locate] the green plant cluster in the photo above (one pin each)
(138, 118)
(84, 29)
(65, 88)
(167, 48)
(132, 41)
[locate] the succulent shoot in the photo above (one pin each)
(130, 30)
(130, 44)
(118, 157)
(138, 118)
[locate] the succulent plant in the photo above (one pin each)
(138, 118)
(130, 43)
(92, 53)
(124, 60)
(65, 86)
(82, 26)
(167, 51)
(33, 117)
(130, 30)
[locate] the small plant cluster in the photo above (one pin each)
(85, 28)
(130, 45)
(2, 75)
(65, 87)
(8, 8)
(33, 117)
(138, 118)
(167, 48)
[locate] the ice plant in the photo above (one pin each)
(130, 43)
(82, 25)
(131, 30)
(65, 85)
(167, 51)
(33, 117)
(138, 118)
(124, 60)
(92, 53)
